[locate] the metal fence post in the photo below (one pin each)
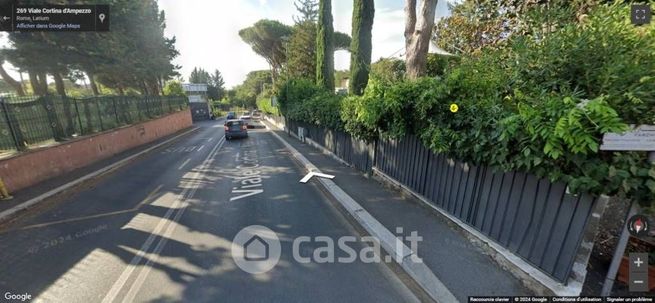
(125, 113)
(161, 105)
(145, 99)
(87, 115)
(79, 118)
(139, 107)
(51, 113)
(16, 134)
(102, 127)
(124, 110)
(113, 102)
(70, 127)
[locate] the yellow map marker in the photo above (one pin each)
(454, 108)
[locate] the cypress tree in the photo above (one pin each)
(361, 45)
(325, 46)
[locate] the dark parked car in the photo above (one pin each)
(235, 129)
(231, 116)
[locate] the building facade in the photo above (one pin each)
(198, 101)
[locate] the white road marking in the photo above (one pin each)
(127, 272)
(311, 174)
(201, 146)
(184, 163)
(144, 201)
(251, 175)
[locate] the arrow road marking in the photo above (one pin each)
(311, 174)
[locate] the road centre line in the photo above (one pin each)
(138, 283)
(183, 164)
(130, 268)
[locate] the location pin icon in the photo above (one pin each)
(102, 18)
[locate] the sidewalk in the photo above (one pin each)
(463, 267)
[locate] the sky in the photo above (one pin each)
(207, 32)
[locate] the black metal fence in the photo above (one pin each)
(37, 120)
(355, 152)
(532, 217)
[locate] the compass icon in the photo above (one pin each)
(638, 225)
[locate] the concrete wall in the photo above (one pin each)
(34, 166)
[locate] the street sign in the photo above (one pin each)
(195, 99)
(641, 138)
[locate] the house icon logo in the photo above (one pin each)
(256, 249)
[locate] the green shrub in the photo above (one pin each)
(264, 104)
(540, 105)
(388, 69)
(603, 56)
(302, 100)
(173, 88)
(438, 65)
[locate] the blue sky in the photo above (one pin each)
(207, 31)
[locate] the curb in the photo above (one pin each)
(418, 271)
(531, 277)
(5, 215)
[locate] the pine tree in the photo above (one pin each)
(308, 10)
(218, 85)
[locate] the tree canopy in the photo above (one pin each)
(307, 9)
(135, 54)
(302, 50)
(267, 39)
(474, 25)
(245, 94)
(215, 82)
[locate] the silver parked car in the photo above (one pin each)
(248, 119)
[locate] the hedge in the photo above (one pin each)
(539, 105)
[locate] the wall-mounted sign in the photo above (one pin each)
(195, 98)
(641, 138)
(194, 87)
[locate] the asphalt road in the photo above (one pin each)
(160, 230)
